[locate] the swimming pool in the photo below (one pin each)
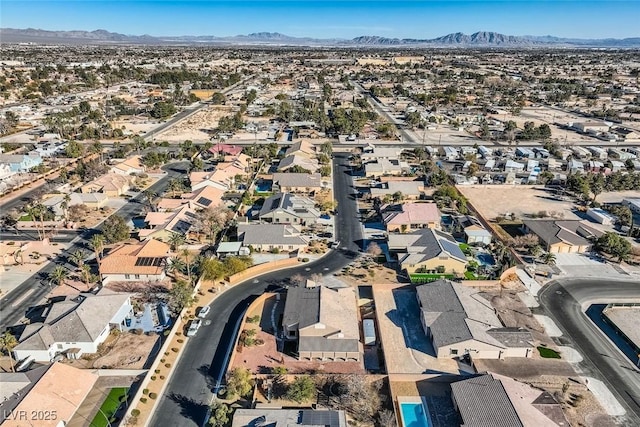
(413, 415)
(263, 186)
(485, 259)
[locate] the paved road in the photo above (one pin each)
(185, 402)
(563, 301)
(32, 291)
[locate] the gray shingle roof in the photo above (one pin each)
(328, 345)
(482, 402)
(297, 179)
(302, 307)
(273, 234)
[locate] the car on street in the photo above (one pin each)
(193, 327)
(204, 311)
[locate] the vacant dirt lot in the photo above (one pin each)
(197, 126)
(122, 351)
(498, 200)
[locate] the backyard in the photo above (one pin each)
(111, 404)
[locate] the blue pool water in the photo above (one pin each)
(413, 415)
(263, 186)
(485, 259)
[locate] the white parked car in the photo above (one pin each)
(193, 327)
(204, 311)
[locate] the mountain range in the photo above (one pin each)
(478, 39)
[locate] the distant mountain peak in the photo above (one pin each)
(458, 39)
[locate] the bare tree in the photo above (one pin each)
(373, 250)
(387, 418)
(214, 219)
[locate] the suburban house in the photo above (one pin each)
(287, 208)
(409, 190)
(298, 161)
(411, 216)
(224, 175)
(58, 387)
(562, 236)
(225, 150)
(591, 127)
(5, 171)
(324, 322)
(129, 166)
(383, 167)
(474, 231)
(90, 200)
(271, 417)
(270, 237)
(373, 153)
(427, 251)
(200, 199)
(301, 148)
(161, 225)
(495, 400)
(305, 183)
(143, 261)
(20, 163)
(633, 204)
(459, 321)
(74, 326)
(111, 184)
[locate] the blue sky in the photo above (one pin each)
(327, 19)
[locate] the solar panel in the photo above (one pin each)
(181, 226)
(275, 203)
(320, 418)
(452, 248)
(148, 262)
(204, 201)
(191, 214)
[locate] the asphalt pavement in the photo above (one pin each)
(204, 359)
(565, 301)
(31, 292)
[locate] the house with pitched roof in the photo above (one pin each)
(474, 231)
(74, 327)
(459, 321)
(301, 183)
(268, 237)
(58, 388)
(498, 401)
(298, 161)
(324, 322)
(427, 251)
(287, 208)
(411, 216)
(140, 262)
(111, 184)
(129, 166)
(563, 236)
(161, 225)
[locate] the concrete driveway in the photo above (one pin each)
(406, 347)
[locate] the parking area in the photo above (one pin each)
(584, 265)
(406, 347)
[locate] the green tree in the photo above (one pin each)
(7, 343)
(162, 110)
(97, 242)
(239, 383)
(77, 257)
(217, 98)
(74, 149)
(220, 414)
(115, 229)
(180, 296)
(615, 245)
(176, 240)
(58, 275)
(549, 258)
(302, 389)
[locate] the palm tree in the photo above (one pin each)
(186, 254)
(174, 266)
(58, 275)
(36, 212)
(549, 258)
(7, 344)
(535, 250)
(97, 244)
(77, 258)
(65, 206)
(176, 240)
(85, 273)
(149, 195)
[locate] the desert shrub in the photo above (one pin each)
(135, 412)
(152, 396)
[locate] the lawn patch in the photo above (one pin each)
(548, 353)
(109, 407)
(428, 277)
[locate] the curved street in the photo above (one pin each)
(186, 399)
(565, 302)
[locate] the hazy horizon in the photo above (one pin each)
(330, 19)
